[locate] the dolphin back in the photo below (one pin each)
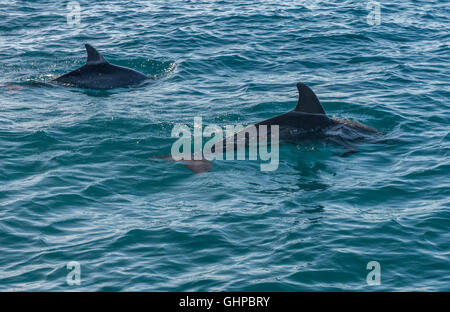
(93, 56)
(97, 73)
(308, 101)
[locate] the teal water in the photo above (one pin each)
(77, 182)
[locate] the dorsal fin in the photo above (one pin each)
(93, 56)
(308, 101)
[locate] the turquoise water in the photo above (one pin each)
(77, 182)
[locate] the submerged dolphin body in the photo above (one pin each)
(307, 121)
(97, 73)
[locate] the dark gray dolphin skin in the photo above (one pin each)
(97, 73)
(307, 121)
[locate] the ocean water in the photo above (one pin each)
(78, 181)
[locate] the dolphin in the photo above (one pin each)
(97, 73)
(306, 122)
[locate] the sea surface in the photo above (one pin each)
(79, 182)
